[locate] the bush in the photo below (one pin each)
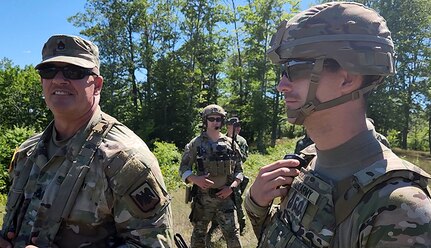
(256, 160)
(10, 139)
(169, 160)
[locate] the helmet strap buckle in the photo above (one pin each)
(308, 108)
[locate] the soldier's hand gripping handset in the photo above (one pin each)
(270, 178)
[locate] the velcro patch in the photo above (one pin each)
(145, 197)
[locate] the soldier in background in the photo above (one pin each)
(87, 180)
(233, 129)
(355, 192)
(214, 167)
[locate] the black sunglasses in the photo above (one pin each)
(69, 72)
(297, 69)
(217, 119)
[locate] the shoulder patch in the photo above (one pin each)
(145, 197)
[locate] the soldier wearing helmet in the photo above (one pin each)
(356, 192)
(213, 166)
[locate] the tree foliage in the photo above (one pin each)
(405, 96)
(164, 60)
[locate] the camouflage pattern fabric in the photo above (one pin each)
(201, 148)
(123, 199)
(206, 206)
(242, 143)
(243, 146)
(362, 45)
(388, 205)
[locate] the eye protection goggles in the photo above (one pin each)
(212, 119)
(297, 69)
(69, 72)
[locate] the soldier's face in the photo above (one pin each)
(214, 122)
(295, 92)
(71, 97)
(231, 128)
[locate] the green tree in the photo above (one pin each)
(10, 140)
(21, 100)
(261, 107)
(130, 34)
(406, 92)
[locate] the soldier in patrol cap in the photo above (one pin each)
(86, 180)
(355, 192)
(213, 165)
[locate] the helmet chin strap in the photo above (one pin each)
(312, 104)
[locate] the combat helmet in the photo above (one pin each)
(210, 110)
(352, 34)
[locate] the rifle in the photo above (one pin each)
(179, 241)
(233, 138)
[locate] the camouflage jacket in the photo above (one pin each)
(122, 199)
(202, 156)
(386, 204)
(243, 146)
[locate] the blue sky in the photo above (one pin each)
(26, 25)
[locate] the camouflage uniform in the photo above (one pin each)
(243, 146)
(122, 199)
(223, 165)
(358, 194)
(391, 209)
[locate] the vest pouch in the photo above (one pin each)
(211, 168)
(279, 235)
(224, 167)
(309, 210)
(218, 168)
(229, 167)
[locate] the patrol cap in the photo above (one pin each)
(233, 121)
(70, 49)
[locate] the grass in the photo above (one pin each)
(183, 226)
(419, 158)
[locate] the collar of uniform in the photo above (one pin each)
(348, 158)
(74, 145)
